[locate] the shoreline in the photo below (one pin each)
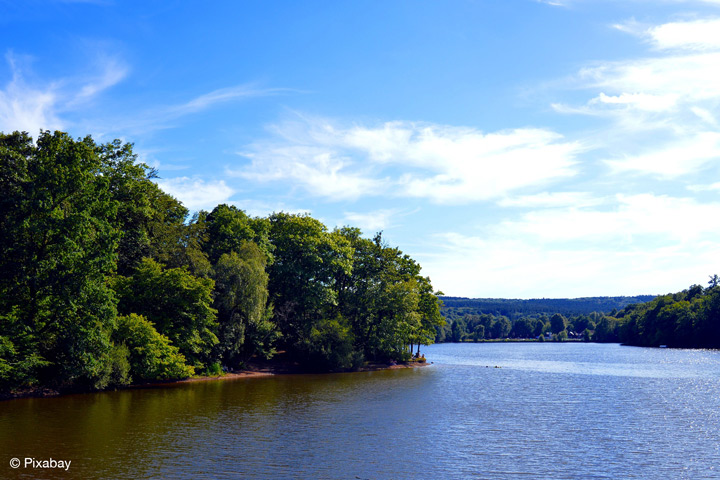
(266, 370)
(254, 370)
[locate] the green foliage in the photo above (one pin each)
(58, 240)
(501, 328)
(227, 228)
(176, 302)
(241, 299)
(689, 319)
(330, 346)
(558, 323)
(117, 369)
(302, 284)
(151, 355)
(86, 234)
(214, 369)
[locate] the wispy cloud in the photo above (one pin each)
(196, 193)
(660, 218)
(25, 107)
(445, 164)
(220, 96)
(681, 157)
(112, 72)
(552, 200)
(701, 34)
(658, 242)
(160, 117)
(661, 106)
(375, 220)
(32, 106)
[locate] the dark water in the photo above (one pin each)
(551, 411)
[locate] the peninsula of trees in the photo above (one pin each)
(106, 280)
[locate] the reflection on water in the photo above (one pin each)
(550, 411)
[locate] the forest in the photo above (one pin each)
(516, 308)
(559, 319)
(471, 327)
(106, 280)
(687, 319)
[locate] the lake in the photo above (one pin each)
(486, 411)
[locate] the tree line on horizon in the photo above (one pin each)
(517, 308)
(687, 319)
(106, 280)
(476, 327)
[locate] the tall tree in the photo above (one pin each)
(177, 303)
(57, 249)
(241, 299)
(303, 288)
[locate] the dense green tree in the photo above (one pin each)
(177, 303)
(227, 228)
(390, 306)
(241, 299)
(478, 332)
(86, 233)
(151, 355)
(606, 330)
(57, 248)
(558, 323)
(330, 346)
(522, 328)
(501, 327)
(303, 289)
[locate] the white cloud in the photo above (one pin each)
(552, 200)
(445, 164)
(705, 115)
(642, 101)
(372, 222)
(704, 188)
(220, 96)
(654, 218)
(700, 35)
(262, 208)
(27, 108)
(675, 159)
(658, 81)
(477, 267)
(112, 72)
(30, 107)
(320, 171)
(195, 193)
(639, 244)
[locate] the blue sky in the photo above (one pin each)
(517, 148)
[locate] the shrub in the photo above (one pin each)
(151, 354)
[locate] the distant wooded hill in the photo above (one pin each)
(454, 307)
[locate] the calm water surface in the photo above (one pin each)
(549, 411)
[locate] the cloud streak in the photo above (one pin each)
(30, 107)
(639, 243)
(445, 164)
(196, 193)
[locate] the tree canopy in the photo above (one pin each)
(105, 279)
